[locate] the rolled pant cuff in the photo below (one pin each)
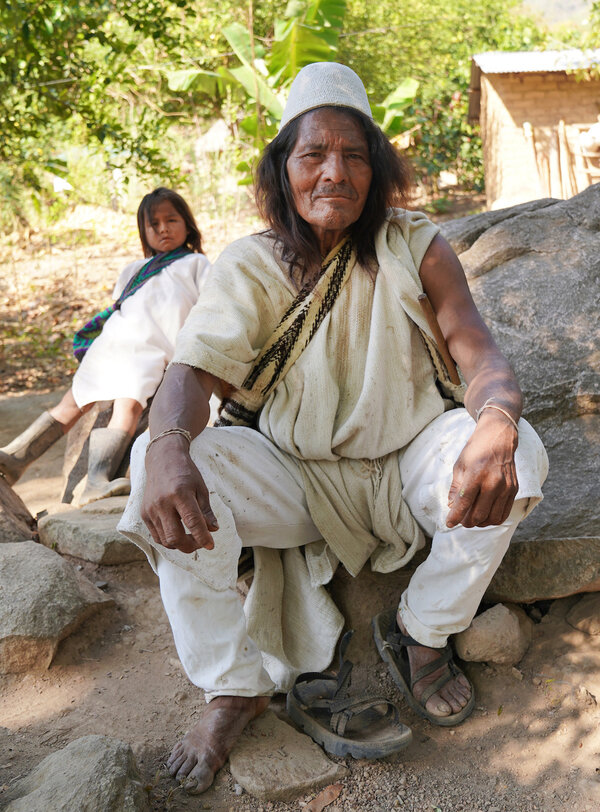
(433, 638)
(210, 695)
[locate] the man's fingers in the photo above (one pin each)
(461, 497)
(154, 527)
(168, 527)
(197, 528)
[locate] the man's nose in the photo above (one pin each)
(334, 168)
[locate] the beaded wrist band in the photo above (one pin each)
(489, 405)
(166, 433)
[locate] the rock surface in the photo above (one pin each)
(534, 271)
(16, 522)
(585, 615)
(273, 762)
(90, 533)
(499, 635)
(92, 774)
(541, 569)
(42, 600)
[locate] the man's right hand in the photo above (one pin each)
(175, 493)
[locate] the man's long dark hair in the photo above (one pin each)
(390, 186)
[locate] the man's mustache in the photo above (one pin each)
(335, 190)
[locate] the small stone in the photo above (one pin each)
(500, 635)
(517, 674)
(585, 615)
(238, 789)
(101, 585)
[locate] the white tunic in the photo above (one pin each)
(361, 390)
(129, 357)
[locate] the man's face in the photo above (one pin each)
(330, 173)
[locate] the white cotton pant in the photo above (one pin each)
(269, 509)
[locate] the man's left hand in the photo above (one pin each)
(484, 482)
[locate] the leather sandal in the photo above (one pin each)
(361, 727)
(391, 644)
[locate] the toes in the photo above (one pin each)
(436, 705)
(199, 779)
(176, 758)
(186, 768)
(456, 696)
(463, 682)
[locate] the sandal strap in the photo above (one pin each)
(342, 715)
(396, 640)
(435, 686)
(444, 657)
(341, 680)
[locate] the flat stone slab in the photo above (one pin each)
(91, 774)
(90, 533)
(273, 762)
(110, 505)
(42, 600)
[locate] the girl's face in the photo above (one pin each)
(165, 230)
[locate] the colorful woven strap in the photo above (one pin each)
(293, 333)
(84, 338)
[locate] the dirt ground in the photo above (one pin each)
(533, 742)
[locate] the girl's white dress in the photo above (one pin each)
(129, 357)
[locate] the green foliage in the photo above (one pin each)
(390, 114)
(433, 43)
(113, 78)
(309, 31)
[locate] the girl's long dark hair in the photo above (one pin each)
(146, 208)
(390, 186)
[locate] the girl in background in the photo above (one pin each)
(125, 348)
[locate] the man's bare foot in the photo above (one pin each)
(205, 747)
(451, 697)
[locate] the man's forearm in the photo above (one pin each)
(182, 401)
(494, 383)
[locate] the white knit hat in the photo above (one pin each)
(325, 84)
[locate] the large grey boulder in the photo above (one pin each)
(90, 533)
(42, 601)
(534, 271)
(92, 774)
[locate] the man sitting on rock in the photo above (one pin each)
(333, 434)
